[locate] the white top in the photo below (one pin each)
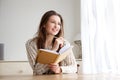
(68, 65)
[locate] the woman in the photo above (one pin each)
(50, 36)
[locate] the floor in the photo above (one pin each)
(61, 77)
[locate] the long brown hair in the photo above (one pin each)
(41, 33)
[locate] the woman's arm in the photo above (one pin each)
(69, 65)
(66, 66)
(31, 52)
(32, 55)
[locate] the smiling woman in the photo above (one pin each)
(51, 26)
(19, 20)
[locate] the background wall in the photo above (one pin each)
(19, 20)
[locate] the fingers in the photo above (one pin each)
(55, 68)
(60, 41)
(53, 65)
(58, 44)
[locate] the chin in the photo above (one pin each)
(55, 34)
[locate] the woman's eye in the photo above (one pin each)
(56, 23)
(52, 22)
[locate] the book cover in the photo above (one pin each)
(48, 56)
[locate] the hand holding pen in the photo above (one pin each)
(58, 44)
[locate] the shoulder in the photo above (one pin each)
(31, 42)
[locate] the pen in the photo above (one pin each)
(55, 37)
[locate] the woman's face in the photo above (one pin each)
(53, 25)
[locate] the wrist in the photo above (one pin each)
(59, 71)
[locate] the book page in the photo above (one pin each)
(63, 55)
(64, 48)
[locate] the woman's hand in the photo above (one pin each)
(58, 43)
(55, 68)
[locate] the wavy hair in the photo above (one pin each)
(41, 33)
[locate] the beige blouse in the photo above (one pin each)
(68, 65)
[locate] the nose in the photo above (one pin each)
(56, 25)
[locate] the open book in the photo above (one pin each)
(48, 56)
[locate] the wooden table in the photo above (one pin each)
(18, 70)
(61, 77)
(40, 77)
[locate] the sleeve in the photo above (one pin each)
(69, 65)
(31, 52)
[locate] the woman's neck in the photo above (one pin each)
(49, 40)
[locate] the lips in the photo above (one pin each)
(55, 30)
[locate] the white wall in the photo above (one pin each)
(19, 20)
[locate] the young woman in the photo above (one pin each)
(50, 36)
